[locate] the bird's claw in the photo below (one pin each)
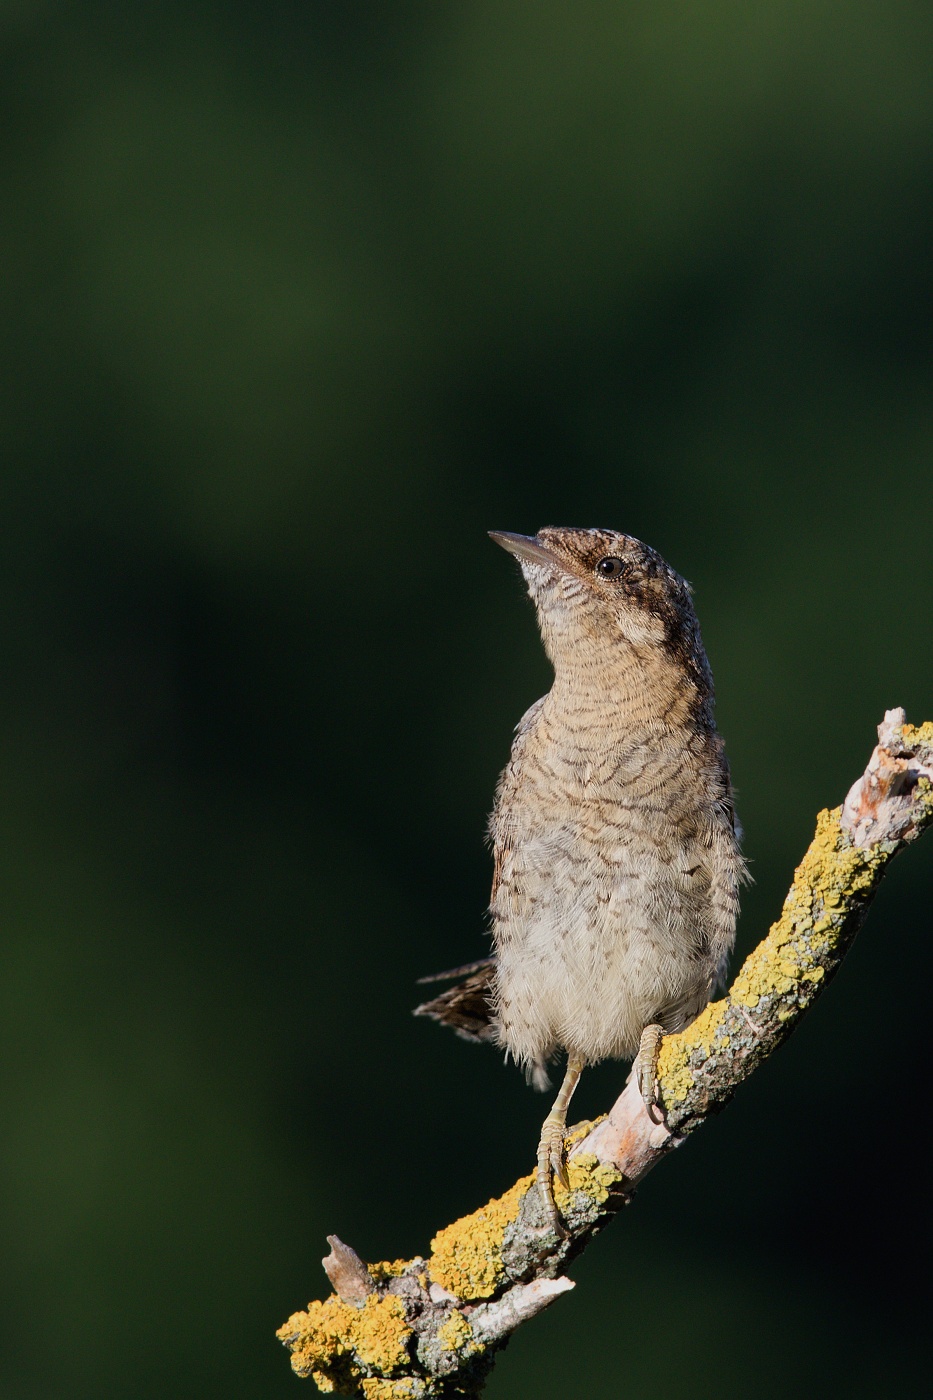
(645, 1067)
(559, 1167)
(552, 1165)
(552, 1157)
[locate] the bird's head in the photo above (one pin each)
(604, 598)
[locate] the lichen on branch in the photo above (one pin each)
(431, 1327)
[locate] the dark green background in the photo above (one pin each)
(298, 300)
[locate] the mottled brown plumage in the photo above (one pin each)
(617, 865)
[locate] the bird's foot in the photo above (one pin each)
(552, 1157)
(552, 1165)
(645, 1068)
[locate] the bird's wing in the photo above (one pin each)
(500, 832)
(468, 1008)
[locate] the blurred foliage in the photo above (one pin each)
(298, 299)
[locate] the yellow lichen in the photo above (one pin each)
(581, 1130)
(923, 793)
(333, 1340)
(389, 1268)
(379, 1389)
(588, 1174)
(918, 733)
(382, 1334)
(675, 1078)
(467, 1255)
(456, 1334)
(830, 874)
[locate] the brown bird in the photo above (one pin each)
(617, 863)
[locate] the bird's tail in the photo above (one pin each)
(466, 1008)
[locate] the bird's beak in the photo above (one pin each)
(525, 547)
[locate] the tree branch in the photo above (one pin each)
(432, 1327)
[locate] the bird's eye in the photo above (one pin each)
(610, 567)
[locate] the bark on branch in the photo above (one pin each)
(431, 1327)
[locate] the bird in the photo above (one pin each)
(617, 860)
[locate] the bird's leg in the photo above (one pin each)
(551, 1160)
(645, 1067)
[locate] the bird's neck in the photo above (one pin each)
(639, 692)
